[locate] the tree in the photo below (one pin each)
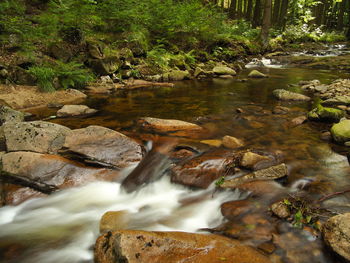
(266, 24)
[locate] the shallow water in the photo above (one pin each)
(63, 227)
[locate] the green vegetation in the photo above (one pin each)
(165, 34)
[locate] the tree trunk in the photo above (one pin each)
(248, 14)
(239, 9)
(257, 14)
(283, 14)
(340, 22)
(266, 24)
(276, 12)
(232, 10)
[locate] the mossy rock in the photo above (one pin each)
(341, 131)
(321, 113)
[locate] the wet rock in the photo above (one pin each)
(256, 74)
(9, 115)
(282, 94)
(16, 194)
(280, 209)
(201, 171)
(106, 66)
(262, 188)
(140, 246)
(177, 75)
(35, 136)
(326, 136)
(215, 143)
(175, 127)
(104, 146)
(297, 121)
(231, 210)
(336, 234)
(224, 70)
(250, 159)
(114, 220)
(232, 142)
(225, 76)
(52, 169)
(95, 50)
(197, 72)
(270, 173)
(341, 131)
(75, 110)
(280, 110)
(321, 113)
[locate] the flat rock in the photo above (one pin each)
(256, 74)
(52, 169)
(341, 131)
(35, 136)
(282, 94)
(104, 146)
(175, 127)
(327, 114)
(271, 173)
(131, 246)
(75, 110)
(9, 115)
(224, 70)
(336, 234)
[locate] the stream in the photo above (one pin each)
(64, 226)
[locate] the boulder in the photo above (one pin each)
(95, 50)
(321, 113)
(224, 70)
(341, 131)
(232, 142)
(131, 246)
(282, 94)
(114, 220)
(35, 136)
(104, 146)
(174, 127)
(75, 110)
(177, 75)
(52, 169)
(339, 100)
(9, 115)
(336, 234)
(270, 173)
(105, 66)
(256, 74)
(201, 171)
(250, 159)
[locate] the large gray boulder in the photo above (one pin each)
(9, 115)
(35, 136)
(336, 234)
(104, 146)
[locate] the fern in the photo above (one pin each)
(44, 76)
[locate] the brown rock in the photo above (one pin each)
(336, 234)
(104, 146)
(35, 136)
(233, 209)
(280, 209)
(215, 143)
(144, 247)
(231, 142)
(52, 169)
(280, 110)
(250, 159)
(298, 121)
(201, 171)
(75, 110)
(114, 220)
(175, 127)
(270, 173)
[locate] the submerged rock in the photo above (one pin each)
(75, 110)
(131, 246)
(341, 131)
(270, 173)
(9, 115)
(256, 74)
(35, 136)
(104, 146)
(282, 94)
(321, 113)
(336, 233)
(232, 142)
(224, 70)
(175, 127)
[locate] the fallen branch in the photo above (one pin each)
(326, 197)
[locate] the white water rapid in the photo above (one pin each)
(64, 226)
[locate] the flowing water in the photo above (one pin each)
(64, 226)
